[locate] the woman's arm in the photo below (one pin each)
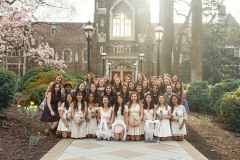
(183, 97)
(154, 113)
(49, 98)
(61, 112)
(98, 115)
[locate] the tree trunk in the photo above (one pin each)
(166, 19)
(197, 42)
(177, 47)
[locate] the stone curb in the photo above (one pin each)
(191, 150)
(57, 150)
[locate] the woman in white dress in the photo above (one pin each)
(91, 117)
(65, 113)
(135, 127)
(105, 120)
(120, 114)
(178, 120)
(149, 115)
(163, 130)
(79, 111)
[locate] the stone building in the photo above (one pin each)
(122, 30)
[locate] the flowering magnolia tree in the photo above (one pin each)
(16, 32)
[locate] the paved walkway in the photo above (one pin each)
(90, 149)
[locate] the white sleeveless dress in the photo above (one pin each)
(78, 131)
(92, 124)
(104, 130)
(134, 116)
(118, 128)
(163, 128)
(148, 115)
(61, 126)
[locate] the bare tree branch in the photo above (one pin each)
(10, 2)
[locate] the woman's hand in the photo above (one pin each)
(66, 124)
(52, 113)
(93, 116)
(175, 119)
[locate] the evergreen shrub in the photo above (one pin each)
(36, 86)
(230, 110)
(197, 96)
(217, 92)
(8, 87)
(30, 74)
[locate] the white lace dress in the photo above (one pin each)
(179, 113)
(66, 113)
(92, 124)
(163, 128)
(134, 116)
(78, 131)
(104, 130)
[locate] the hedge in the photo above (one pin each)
(217, 92)
(8, 87)
(197, 96)
(230, 110)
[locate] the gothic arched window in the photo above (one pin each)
(122, 20)
(67, 55)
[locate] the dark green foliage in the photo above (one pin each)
(28, 76)
(8, 87)
(230, 110)
(37, 94)
(197, 96)
(36, 86)
(218, 91)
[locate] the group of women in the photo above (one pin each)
(109, 109)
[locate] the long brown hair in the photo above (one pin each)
(116, 106)
(75, 102)
(165, 102)
(145, 105)
(130, 100)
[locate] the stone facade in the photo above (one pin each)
(122, 30)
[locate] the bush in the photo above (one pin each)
(197, 96)
(230, 110)
(29, 75)
(8, 87)
(35, 87)
(37, 94)
(217, 92)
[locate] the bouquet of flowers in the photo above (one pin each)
(160, 116)
(135, 119)
(94, 111)
(68, 116)
(81, 118)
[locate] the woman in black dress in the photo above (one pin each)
(50, 112)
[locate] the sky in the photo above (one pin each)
(83, 11)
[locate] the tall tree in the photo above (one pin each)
(166, 18)
(197, 42)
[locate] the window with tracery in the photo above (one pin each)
(122, 21)
(67, 55)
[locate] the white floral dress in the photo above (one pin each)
(179, 113)
(163, 128)
(61, 125)
(78, 131)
